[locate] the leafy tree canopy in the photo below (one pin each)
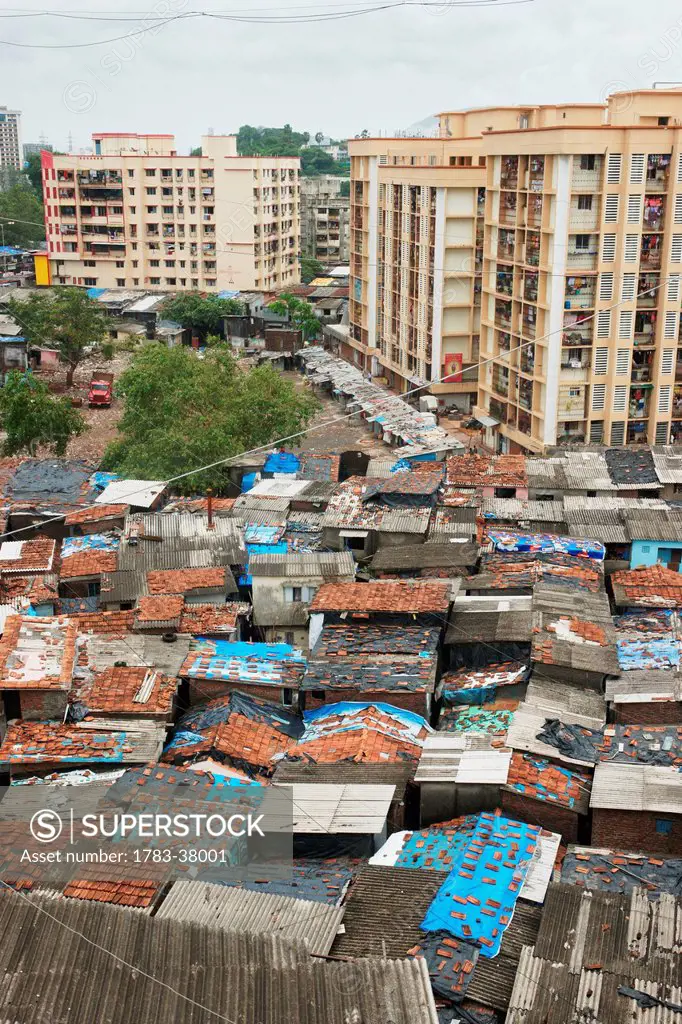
(181, 412)
(66, 318)
(318, 161)
(22, 203)
(345, 188)
(270, 141)
(301, 314)
(34, 173)
(31, 416)
(310, 268)
(201, 314)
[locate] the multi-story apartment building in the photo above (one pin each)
(137, 215)
(580, 318)
(325, 219)
(10, 143)
(416, 244)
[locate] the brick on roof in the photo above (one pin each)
(128, 893)
(36, 588)
(95, 513)
(540, 779)
(40, 742)
(401, 596)
(181, 581)
(650, 581)
(362, 746)
(252, 742)
(36, 554)
(105, 622)
(163, 608)
(487, 470)
(13, 660)
(209, 618)
(114, 690)
(87, 563)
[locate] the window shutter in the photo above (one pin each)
(625, 323)
(622, 361)
(603, 323)
(606, 286)
(628, 289)
(637, 168)
(679, 167)
(631, 248)
(598, 397)
(674, 288)
(676, 249)
(670, 324)
(601, 360)
(613, 169)
(596, 431)
(611, 209)
(667, 357)
(620, 394)
(608, 248)
(664, 398)
(289, 594)
(617, 433)
(661, 433)
(634, 209)
(678, 209)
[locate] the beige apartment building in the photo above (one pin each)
(416, 255)
(580, 315)
(325, 218)
(137, 215)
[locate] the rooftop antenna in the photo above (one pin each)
(70, 142)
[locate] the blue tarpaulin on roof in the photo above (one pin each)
(476, 901)
(280, 548)
(101, 480)
(282, 462)
(508, 540)
(249, 481)
(94, 293)
(7, 339)
(7, 250)
(91, 542)
(228, 295)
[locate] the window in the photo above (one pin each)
(120, 263)
(587, 162)
(155, 263)
(591, 494)
(664, 827)
(134, 263)
(131, 174)
(131, 191)
(150, 172)
(317, 694)
(90, 281)
(584, 202)
(120, 282)
(133, 210)
(663, 121)
(89, 263)
(287, 696)
(155, 280)
(582, 241)
(574, 392)
(289, 638)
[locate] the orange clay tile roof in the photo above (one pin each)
(540, 779)
(363, 746)
(487, 471)
(36, 588)
(655, 581)
(201, 504)
(37, 653)
(579, 627)
(93, 515)
(36, 555)
(165, 608)
(131, 893)
(209, 618)
(114, 690)
(252, 742)
(105, 622)
(401, 596)
(87, 563)
(45, 742)
(180, 581)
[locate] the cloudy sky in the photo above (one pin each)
(383, 71)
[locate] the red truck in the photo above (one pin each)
(101, 388)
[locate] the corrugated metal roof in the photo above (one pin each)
(333, 564)
(493, 980)
(668, 463)
(256, 913)
(636, 787)
(180, 972)
(141, 493)
(555, 699)
(467, 626)
(339, 810)
(647, 685)
(271, 503)
(516, 510)
(466, 759)
(529, 721)
(426, 556)
(654, 524)
(117, 587)
(397, 774)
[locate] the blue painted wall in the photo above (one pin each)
(649, 552)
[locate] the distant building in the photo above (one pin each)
(34, 148)
(325, 219)
(138, 215)
(10, 145)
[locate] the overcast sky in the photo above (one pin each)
(384, 71)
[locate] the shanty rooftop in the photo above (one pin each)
(352, 508)
(37, 653)
(487, 471)
(124, 690)
(636, 787)
(27, 556)
(403, 597)
(431, 555)
(653, 586)
(573, 630)
(28, 743)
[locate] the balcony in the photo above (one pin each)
(504, 342)
(498, 410)
(527, 360)
(654, 213)
(525, 424)
(571, 404)
(529, 321)
(530, 287)
(534, 211)
(99, 179)
(657, 172)
(645, 328)
(651, 252)
(504, 282)
(587, 171)
(582, 252)
(638, 408)
(503, 315)
(577, 334)
(677, 402)
(583, 215)
(575, 365)
(648, 290)
(525, 393)
(508, 205)
(579, 293)
(509, 177)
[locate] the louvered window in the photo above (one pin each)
(603, 323)
(625, 323)
(664, 393)
(613, 168)
(622, 361)
(596, 431)
(606, 286)
(601, 360)
(628, 290)
(661, 433)
(617, 433)
(620, 394)
(667, 358)
(670, 323)
(598, 397)
(634, 209)
(631, 248)
(608, 248)
(674, 288)
(637, 168)
(611, 209)
(676, 249)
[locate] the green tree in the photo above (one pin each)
(319, 136)
(318, 161)
(345, 188)
(34, 172)
(301, 314)
(31, 416)
(21, 215)
(270, 141)
(310, 268)
(201, 314)
(181, 412)
(197, 151)
(66, 318)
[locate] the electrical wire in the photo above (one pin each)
(390, 398)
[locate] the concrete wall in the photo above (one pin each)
(649, 552)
